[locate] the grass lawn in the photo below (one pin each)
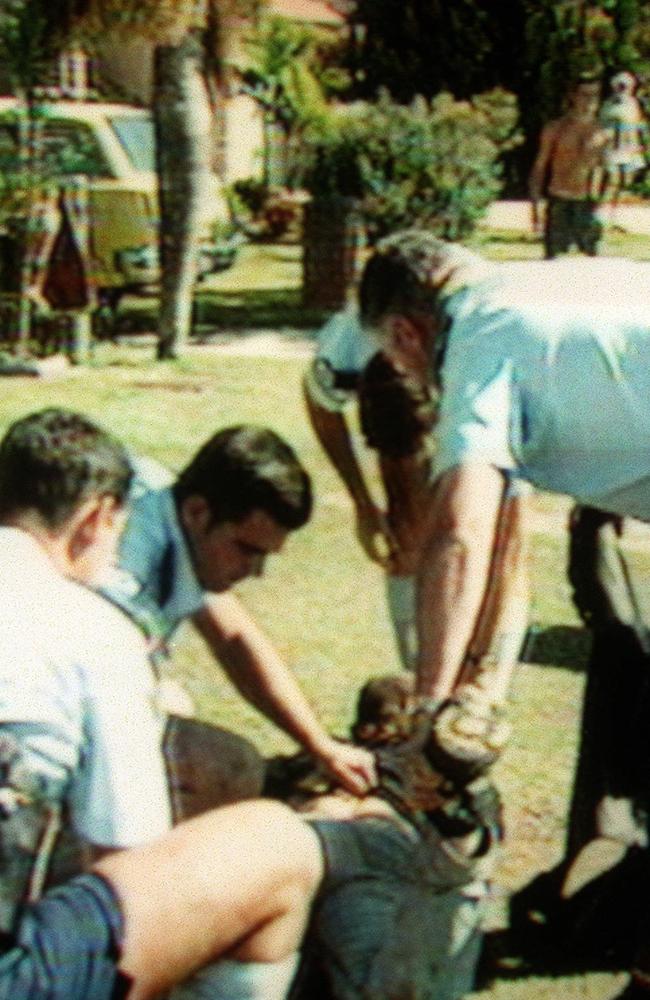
(322, 601)
(262, 289)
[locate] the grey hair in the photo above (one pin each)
(410, 271)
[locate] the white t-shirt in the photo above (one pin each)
(78, 692)
(546, 372)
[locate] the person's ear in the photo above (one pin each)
(195, 514)
(405, 334)
(407, 342)
(87, 523)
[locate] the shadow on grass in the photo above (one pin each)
(215, 311)
(565, 646)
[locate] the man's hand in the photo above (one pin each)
(374, 534)
(537, 218)
(352, 767)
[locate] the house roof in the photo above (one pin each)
(316, 11)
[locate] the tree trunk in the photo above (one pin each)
(333, 238)
(183, 128)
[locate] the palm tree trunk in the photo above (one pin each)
(183, 126)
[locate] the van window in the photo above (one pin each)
(138, 139)
(71, 148)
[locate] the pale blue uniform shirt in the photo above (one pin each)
(155, 579)
(344, 349)
(546, 372)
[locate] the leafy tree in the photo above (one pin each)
(32, 32)
(433, 163)
(528, 47)
(288, 77)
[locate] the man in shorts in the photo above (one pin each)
(568, 171)
(79, 731)
(147, 918)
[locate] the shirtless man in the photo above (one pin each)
(568, 172)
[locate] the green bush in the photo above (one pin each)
(432, 163)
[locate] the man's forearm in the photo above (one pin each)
(256, 669)
(461, 521)
(496, 644)
(332, 432)
(451, 586)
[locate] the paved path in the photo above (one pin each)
(516, 215)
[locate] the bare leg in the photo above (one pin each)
(237, 881)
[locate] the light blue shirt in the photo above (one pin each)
(344, 349)
(547, 373)
(155, 580)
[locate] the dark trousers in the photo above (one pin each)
(611, 596)
(571, 222)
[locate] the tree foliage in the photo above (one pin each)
(31, 34)
(529, 47)
(431, 162)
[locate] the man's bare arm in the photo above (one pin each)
(503, 620)
(331, 429)
(461, 524)
(407, 486)
(539, 173)
(262, 677)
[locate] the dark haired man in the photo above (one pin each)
(395, 414)
(187, 542)
(76, 687)
(79, 730)
(521, 352)
(568, 171)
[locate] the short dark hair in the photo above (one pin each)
(246, 468)
(406, 273)
(54, 460)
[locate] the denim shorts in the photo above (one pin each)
(397, 914)
(67, 946)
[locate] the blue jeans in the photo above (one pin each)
(67, 946)
(398, 915)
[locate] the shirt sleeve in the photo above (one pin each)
(119, 794)
(478, 412)
(343, 352)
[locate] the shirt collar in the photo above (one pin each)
(186, 595)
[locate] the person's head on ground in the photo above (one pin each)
(238, 499)
(65, 481)
(402, 289)
(583, 97)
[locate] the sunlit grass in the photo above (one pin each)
(322, 600)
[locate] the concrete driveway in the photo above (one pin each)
(633, 218)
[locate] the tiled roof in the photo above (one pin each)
(315, 11)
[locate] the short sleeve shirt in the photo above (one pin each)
(155, 577)
(547, 373)
(344, 350)
(78, 692)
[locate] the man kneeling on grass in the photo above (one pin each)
(79, 733)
